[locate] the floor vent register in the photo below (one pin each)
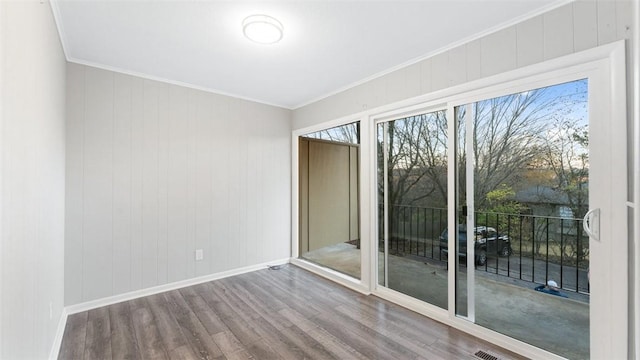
(485, 356)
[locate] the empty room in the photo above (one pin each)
(320, 179)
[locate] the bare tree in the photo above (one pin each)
(349, 133)
(506, 138)
(416, 163)
(510, 138)
(416, 152)
(566, 154)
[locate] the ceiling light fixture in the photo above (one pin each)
(262, 29)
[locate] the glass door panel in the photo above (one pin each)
(523, 171)
(329, 165)
(412, 206)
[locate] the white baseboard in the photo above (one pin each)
(57, 340)
(89, 305)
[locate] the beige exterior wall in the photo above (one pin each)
(328, 193)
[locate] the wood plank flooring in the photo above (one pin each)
(267, 314)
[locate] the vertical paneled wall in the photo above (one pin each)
(32, 148)
(156, 171)
(577, 26)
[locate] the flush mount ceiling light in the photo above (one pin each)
(262, 29)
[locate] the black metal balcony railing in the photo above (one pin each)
(543, 247)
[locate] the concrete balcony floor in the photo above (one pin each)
(505, 305)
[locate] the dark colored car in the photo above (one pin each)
(486, 241)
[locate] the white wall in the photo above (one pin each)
(32, 78)
(574, 27)
(156, 171)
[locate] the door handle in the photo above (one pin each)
(591, 223)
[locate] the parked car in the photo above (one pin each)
(486, 241)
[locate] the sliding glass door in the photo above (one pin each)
(523, 190)
(412, 206)
(482, 204)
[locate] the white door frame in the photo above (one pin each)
(607, 131)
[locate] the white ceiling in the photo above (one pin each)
(327, 45)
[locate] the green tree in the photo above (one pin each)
(498, 204)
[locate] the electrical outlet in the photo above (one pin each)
(199, 255)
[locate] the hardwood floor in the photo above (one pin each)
(267, 314)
